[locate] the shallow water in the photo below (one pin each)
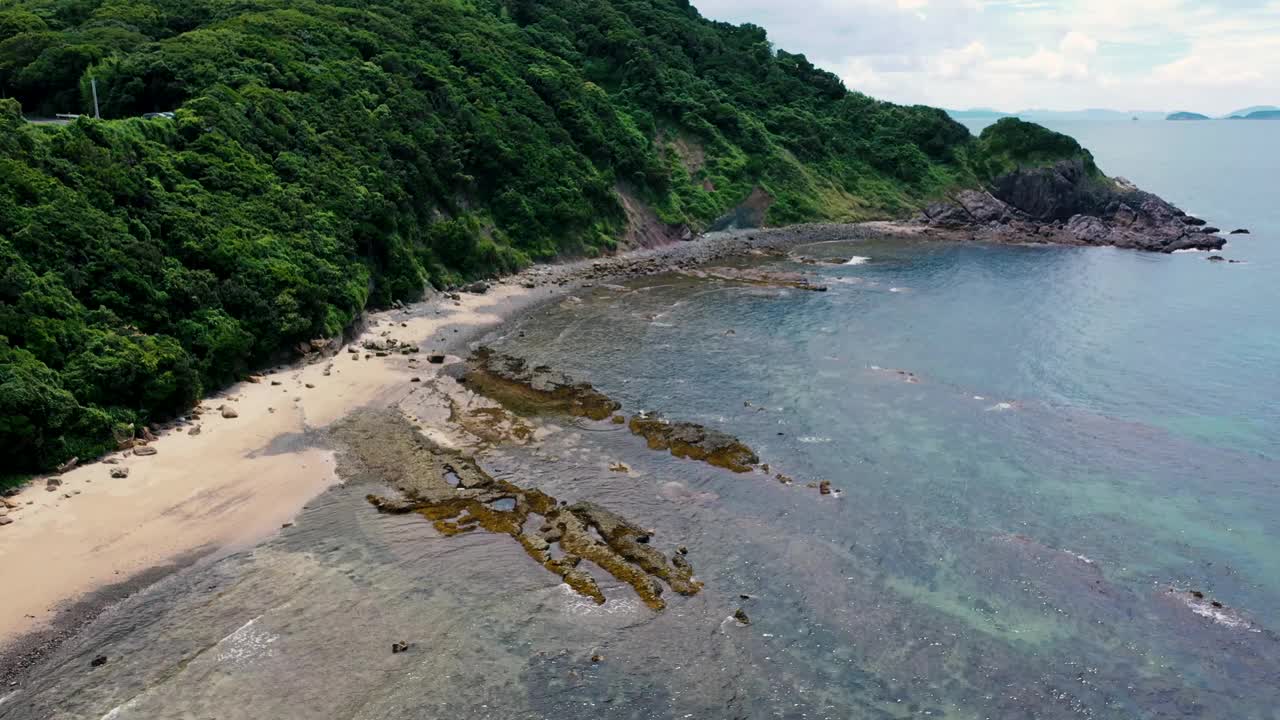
(1073, 433)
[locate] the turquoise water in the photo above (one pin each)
(1088, 429)
(1086, 436)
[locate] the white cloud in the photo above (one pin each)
(1013, 54)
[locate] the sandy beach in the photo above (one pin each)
(226, 488)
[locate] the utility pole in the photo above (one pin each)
(94, 83)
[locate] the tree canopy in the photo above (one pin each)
(327, 156)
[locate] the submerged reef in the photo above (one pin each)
(450, 489)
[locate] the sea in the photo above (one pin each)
(1056, 476)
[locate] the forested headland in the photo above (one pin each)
(329, 156)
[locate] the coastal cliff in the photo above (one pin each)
(1060, 205)
(1041, 186)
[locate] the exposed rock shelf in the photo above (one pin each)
(1064, 204)
(451, 490)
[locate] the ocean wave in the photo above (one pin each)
(858, 260)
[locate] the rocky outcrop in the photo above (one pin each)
(451, 490)
(756, 276)
(510, 381)
(1064, 204)
(695, 442)
(541, 390)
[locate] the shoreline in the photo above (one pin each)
(96, 540)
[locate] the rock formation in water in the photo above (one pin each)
(1064, 203)
(510, 381)
(693, 441)
(450, 489)
(540, 390)
(756, 276)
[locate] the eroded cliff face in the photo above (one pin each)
(1063, 203)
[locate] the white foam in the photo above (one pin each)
(1001, 407)
(899, 289)
(1221, 616)
(246, 643)
(5, 699)
(858, 260)
(576, 604)
(813, 439)
(115, 711)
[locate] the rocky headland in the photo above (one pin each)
(1065, 203)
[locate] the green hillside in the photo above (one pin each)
(326, 157)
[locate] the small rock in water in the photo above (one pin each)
(597, 658)
(741, 616)
(1240, 231)
(682, 550)
(120, 472)
(399, 647)
(1216, 258)
(98, 661)
(824, 487)
(620, 467)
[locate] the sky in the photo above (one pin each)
(1209, 56)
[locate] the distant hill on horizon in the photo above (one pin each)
(1243, 112)
(1187, 116)
(1037, 115)
(1258, 115)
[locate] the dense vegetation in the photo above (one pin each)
(1010, 143)
(331, 155)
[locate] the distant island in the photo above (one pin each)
(1041, 115)
(1245, 112)
(1258, 115)
(1256, 112)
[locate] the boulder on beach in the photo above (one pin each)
(229, 412)
(144, 450)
